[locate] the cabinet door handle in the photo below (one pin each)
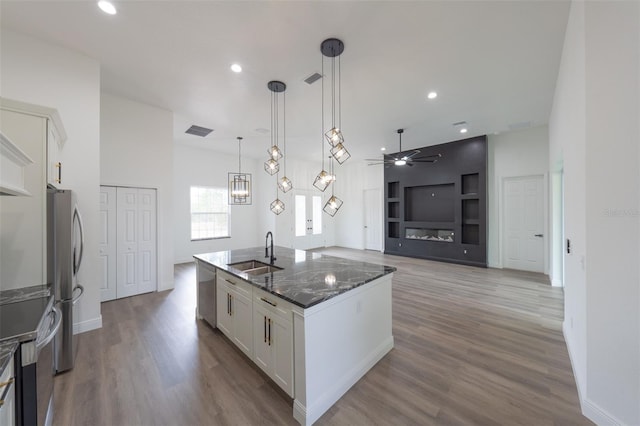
(59, 166)
(269, 302)
(269, 331)
(230, 282)
(231, 305)
(265, 329)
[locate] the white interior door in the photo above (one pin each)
(136, 241)
(523, 223)
(308, 228)
(372, 219)
(108, 244)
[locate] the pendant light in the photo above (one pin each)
(334, 203)
(271, 166)
(284, 183)
(333, 48)
(239, 183)
(277, 206)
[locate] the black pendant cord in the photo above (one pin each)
(339, 94)
(239, 157)
(333, 92)
(322, 109)
(284, 132)
(271, 133)
(333, 177)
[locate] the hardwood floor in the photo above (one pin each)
(472, 346)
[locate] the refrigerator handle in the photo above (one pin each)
(76, 266)
(55, 326)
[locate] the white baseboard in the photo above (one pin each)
(84, 326)
(589, 409)
(162, 286)
(308, 415)
(598, 415)
(556, 282)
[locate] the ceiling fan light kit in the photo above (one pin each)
(402, 158)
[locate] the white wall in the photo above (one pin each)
(353, 178)
(136, 149)
(204, 167)
(512, 154)
(594, 133)
(40, 73)
(613, 191)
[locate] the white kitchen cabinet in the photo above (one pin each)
(273, 338)
(234, 311)
(53, 139)
(7, 396)
(54, 149)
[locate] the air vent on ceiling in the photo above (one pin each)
(313, 78)
(198, 131)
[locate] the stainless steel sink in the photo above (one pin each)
(254, 267)
(262, 270)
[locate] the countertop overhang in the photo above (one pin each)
(307, 278)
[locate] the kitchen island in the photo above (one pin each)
(313, 323)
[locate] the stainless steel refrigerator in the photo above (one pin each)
(65, 243)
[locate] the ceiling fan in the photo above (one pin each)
(403, 158)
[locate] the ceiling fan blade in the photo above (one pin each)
(434, 156)
(424, 161)
(414, 153)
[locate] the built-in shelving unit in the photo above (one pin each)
(438, 210)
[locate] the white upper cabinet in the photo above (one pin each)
(12, 163)
(54, 140)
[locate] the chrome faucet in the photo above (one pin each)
(266, 247)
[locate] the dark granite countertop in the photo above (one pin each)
(307, 278)
(7, 349)
(26, 293)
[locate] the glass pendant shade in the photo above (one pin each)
(277, 206)
(323, 180)
(340, 153)
(284, 184)
(239, 188)
(334, 137)
(332, 206)
(271, 166)
(275, 153)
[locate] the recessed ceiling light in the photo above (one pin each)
(432, 95)
(463, 130)
(383, 149)
(262, 130)
(236, 68)
(107, 7)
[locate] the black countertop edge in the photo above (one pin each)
(25, 293)
(307, 278)
(7, 348)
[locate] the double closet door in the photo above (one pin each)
(128, 247)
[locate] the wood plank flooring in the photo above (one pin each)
(472, 347)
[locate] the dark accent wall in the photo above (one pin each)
(426, 203)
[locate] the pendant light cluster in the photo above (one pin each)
(332, 48)
(239, 183)
(272, 165)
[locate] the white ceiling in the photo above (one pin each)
(493, 64)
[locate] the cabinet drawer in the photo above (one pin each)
(273, 304)
(240, 286)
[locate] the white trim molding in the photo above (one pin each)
(88, 325)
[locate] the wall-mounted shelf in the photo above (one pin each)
(438, 210)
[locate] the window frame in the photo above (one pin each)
(224, 196)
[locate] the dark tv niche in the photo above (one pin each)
(430, 203)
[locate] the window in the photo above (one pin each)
(209, 213)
